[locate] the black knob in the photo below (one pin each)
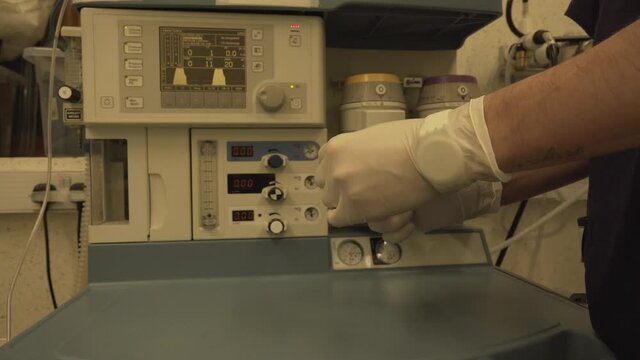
(67, 93)
(275, 161)
(275, 194)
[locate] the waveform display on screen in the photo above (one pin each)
(202, 58)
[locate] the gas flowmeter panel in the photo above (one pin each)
(148, 67)
(256, 184)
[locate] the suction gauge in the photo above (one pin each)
(350, 252)
(388, 253)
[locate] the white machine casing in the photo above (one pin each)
(284, 51)
(155, 192)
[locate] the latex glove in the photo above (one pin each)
(392, 168)
(478, 199)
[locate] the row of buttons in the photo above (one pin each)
(133, 47)
(257, 50)
(210, 100)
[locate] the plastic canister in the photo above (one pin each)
(446, 92)
(371, 99)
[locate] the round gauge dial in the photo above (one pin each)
(310, 182)
(388, 253)
(311, 214)
(311, 151)
(350, 252)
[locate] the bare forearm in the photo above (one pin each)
(585, 107)
(526, 184)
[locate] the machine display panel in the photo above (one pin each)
(242, 151)
(202, 59)
(242, 215)
(248, 183)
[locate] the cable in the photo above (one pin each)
(47, 253)
(78, 224)
(36, 226)
(512, 230)
(509, 16)
(520, 236)
(572, 38)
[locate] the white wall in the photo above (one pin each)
(553, 262)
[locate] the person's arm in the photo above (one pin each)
(585, 107)
(530, 183)
(582, 108)
(478, 199)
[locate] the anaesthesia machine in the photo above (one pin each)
(208, 234)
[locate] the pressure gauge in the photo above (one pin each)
(311, 151)
(350, 252)
(388, 253)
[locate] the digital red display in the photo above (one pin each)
(242, 215)
(248, 183)
(242, 151)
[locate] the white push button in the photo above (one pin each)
(134, 102)
(133, 30)
(133, 47)
(106, 102)
(133, 64)
(295, 103)
(256, 34)
(257, 66)
(295, 40)
(133, 80)
(257, 50)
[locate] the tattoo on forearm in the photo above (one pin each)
(553, 154)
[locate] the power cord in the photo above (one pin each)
(509, 16)
(512, 230)
(37, 196)
(47, 251)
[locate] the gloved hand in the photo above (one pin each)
(477, 199)
(392, 168)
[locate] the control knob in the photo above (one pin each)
(274, 193)
(274, 161)
(276, 226)
(67, 93)
(271, 98)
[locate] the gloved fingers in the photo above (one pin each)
(330, 144)
(321, 174)
(392, 223)
(330, 196)
(322, 152)
(400, 234)
(344, 215)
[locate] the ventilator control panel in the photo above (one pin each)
(256, 185)
(210, 69)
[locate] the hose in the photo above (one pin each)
(509, 15)
(520, 236)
